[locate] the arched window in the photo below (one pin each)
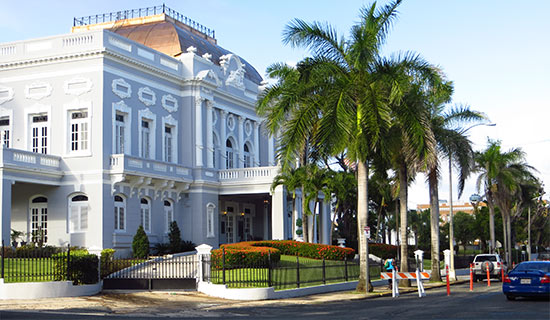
(247, 161)
(210, 220)
(168, 214)
(39, 219)
(78, 213)
(145, 214)
(229, 154)
(120, 213)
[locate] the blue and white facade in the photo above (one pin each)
(101, 133)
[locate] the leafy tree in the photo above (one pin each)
(463, 227)
(140, 244)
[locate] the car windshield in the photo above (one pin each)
(486, 258)
(544, 267)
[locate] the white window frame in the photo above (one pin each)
(210, 233)
(169, 121)
(147, 115)
(35, 110)
(247, 155)
(75, 224)
(230, 154)
(68, 109)
(42, 216)
(168, 214)
(122, 109)
(120, 209)
(79, 132)
(145, 214)
(6, 114)
(43, 143)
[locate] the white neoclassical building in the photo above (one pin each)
(136, 117)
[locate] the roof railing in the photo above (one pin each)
(143, 12)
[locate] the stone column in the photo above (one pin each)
(240, 148)
(256, 145)
(198, 133)
(325, 222)
(5, 206)
(209, 138)
(271, 151)
(278, 214)
(223, 122)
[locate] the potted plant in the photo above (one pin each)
(14, 236)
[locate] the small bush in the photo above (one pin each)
(107, 256)
(174, 237)
(383, 251)
(140, 244)
(82, 267)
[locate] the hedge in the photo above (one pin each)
(83, 267)
(383, 251)
(256, 252)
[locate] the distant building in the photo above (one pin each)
(445, 209)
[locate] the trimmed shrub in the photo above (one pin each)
(107, 256)
(82, 267)
(140, 244)
(174, 236)
(256, 252)
(383, 251)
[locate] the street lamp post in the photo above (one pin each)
(452, 273)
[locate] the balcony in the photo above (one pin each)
(34, 164)
(125, 164)
(247, 180)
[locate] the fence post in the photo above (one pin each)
(324, 275)
(297, 272)
(346, 268)
(3, 253)
(223, 265)
(68, 262)
(269, 280)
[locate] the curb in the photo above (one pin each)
(371, 295)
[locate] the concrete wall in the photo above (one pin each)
(53, 289)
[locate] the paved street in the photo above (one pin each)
(483, 303)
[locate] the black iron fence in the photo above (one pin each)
(39, 264)
(290, 272)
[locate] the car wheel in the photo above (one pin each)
(510, 297)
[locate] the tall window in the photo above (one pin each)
(5, 131)
(39, 133)
(145, 139)
(78, 213)
(120, 131)
(39, 220)
(79, 127)
(210, 220)
(215, 146)
(145, 214)
(168, 157)
(228, 154)
(168, 215)
(120, 214)
(246, 156)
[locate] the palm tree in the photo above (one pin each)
(361, 96)
(292, 179)
(501, 174)
(453, 144)
(354, 117)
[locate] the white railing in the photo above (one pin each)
(122, 162)
(8, 50)
(78, 40)
(248, 174)
(25, 158)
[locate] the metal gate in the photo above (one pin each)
(168, 272)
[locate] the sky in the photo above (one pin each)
(497, 53)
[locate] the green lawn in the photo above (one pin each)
(285, 274)
(29, 270)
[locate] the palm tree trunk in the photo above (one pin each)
(362, 218)
(491, 223)
(504, 235)
(378, 224)
(304, 216)
(509, 234)
(403, 184)
(434, 225)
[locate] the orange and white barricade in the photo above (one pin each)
(394, 276)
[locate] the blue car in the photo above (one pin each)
(528, 279)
